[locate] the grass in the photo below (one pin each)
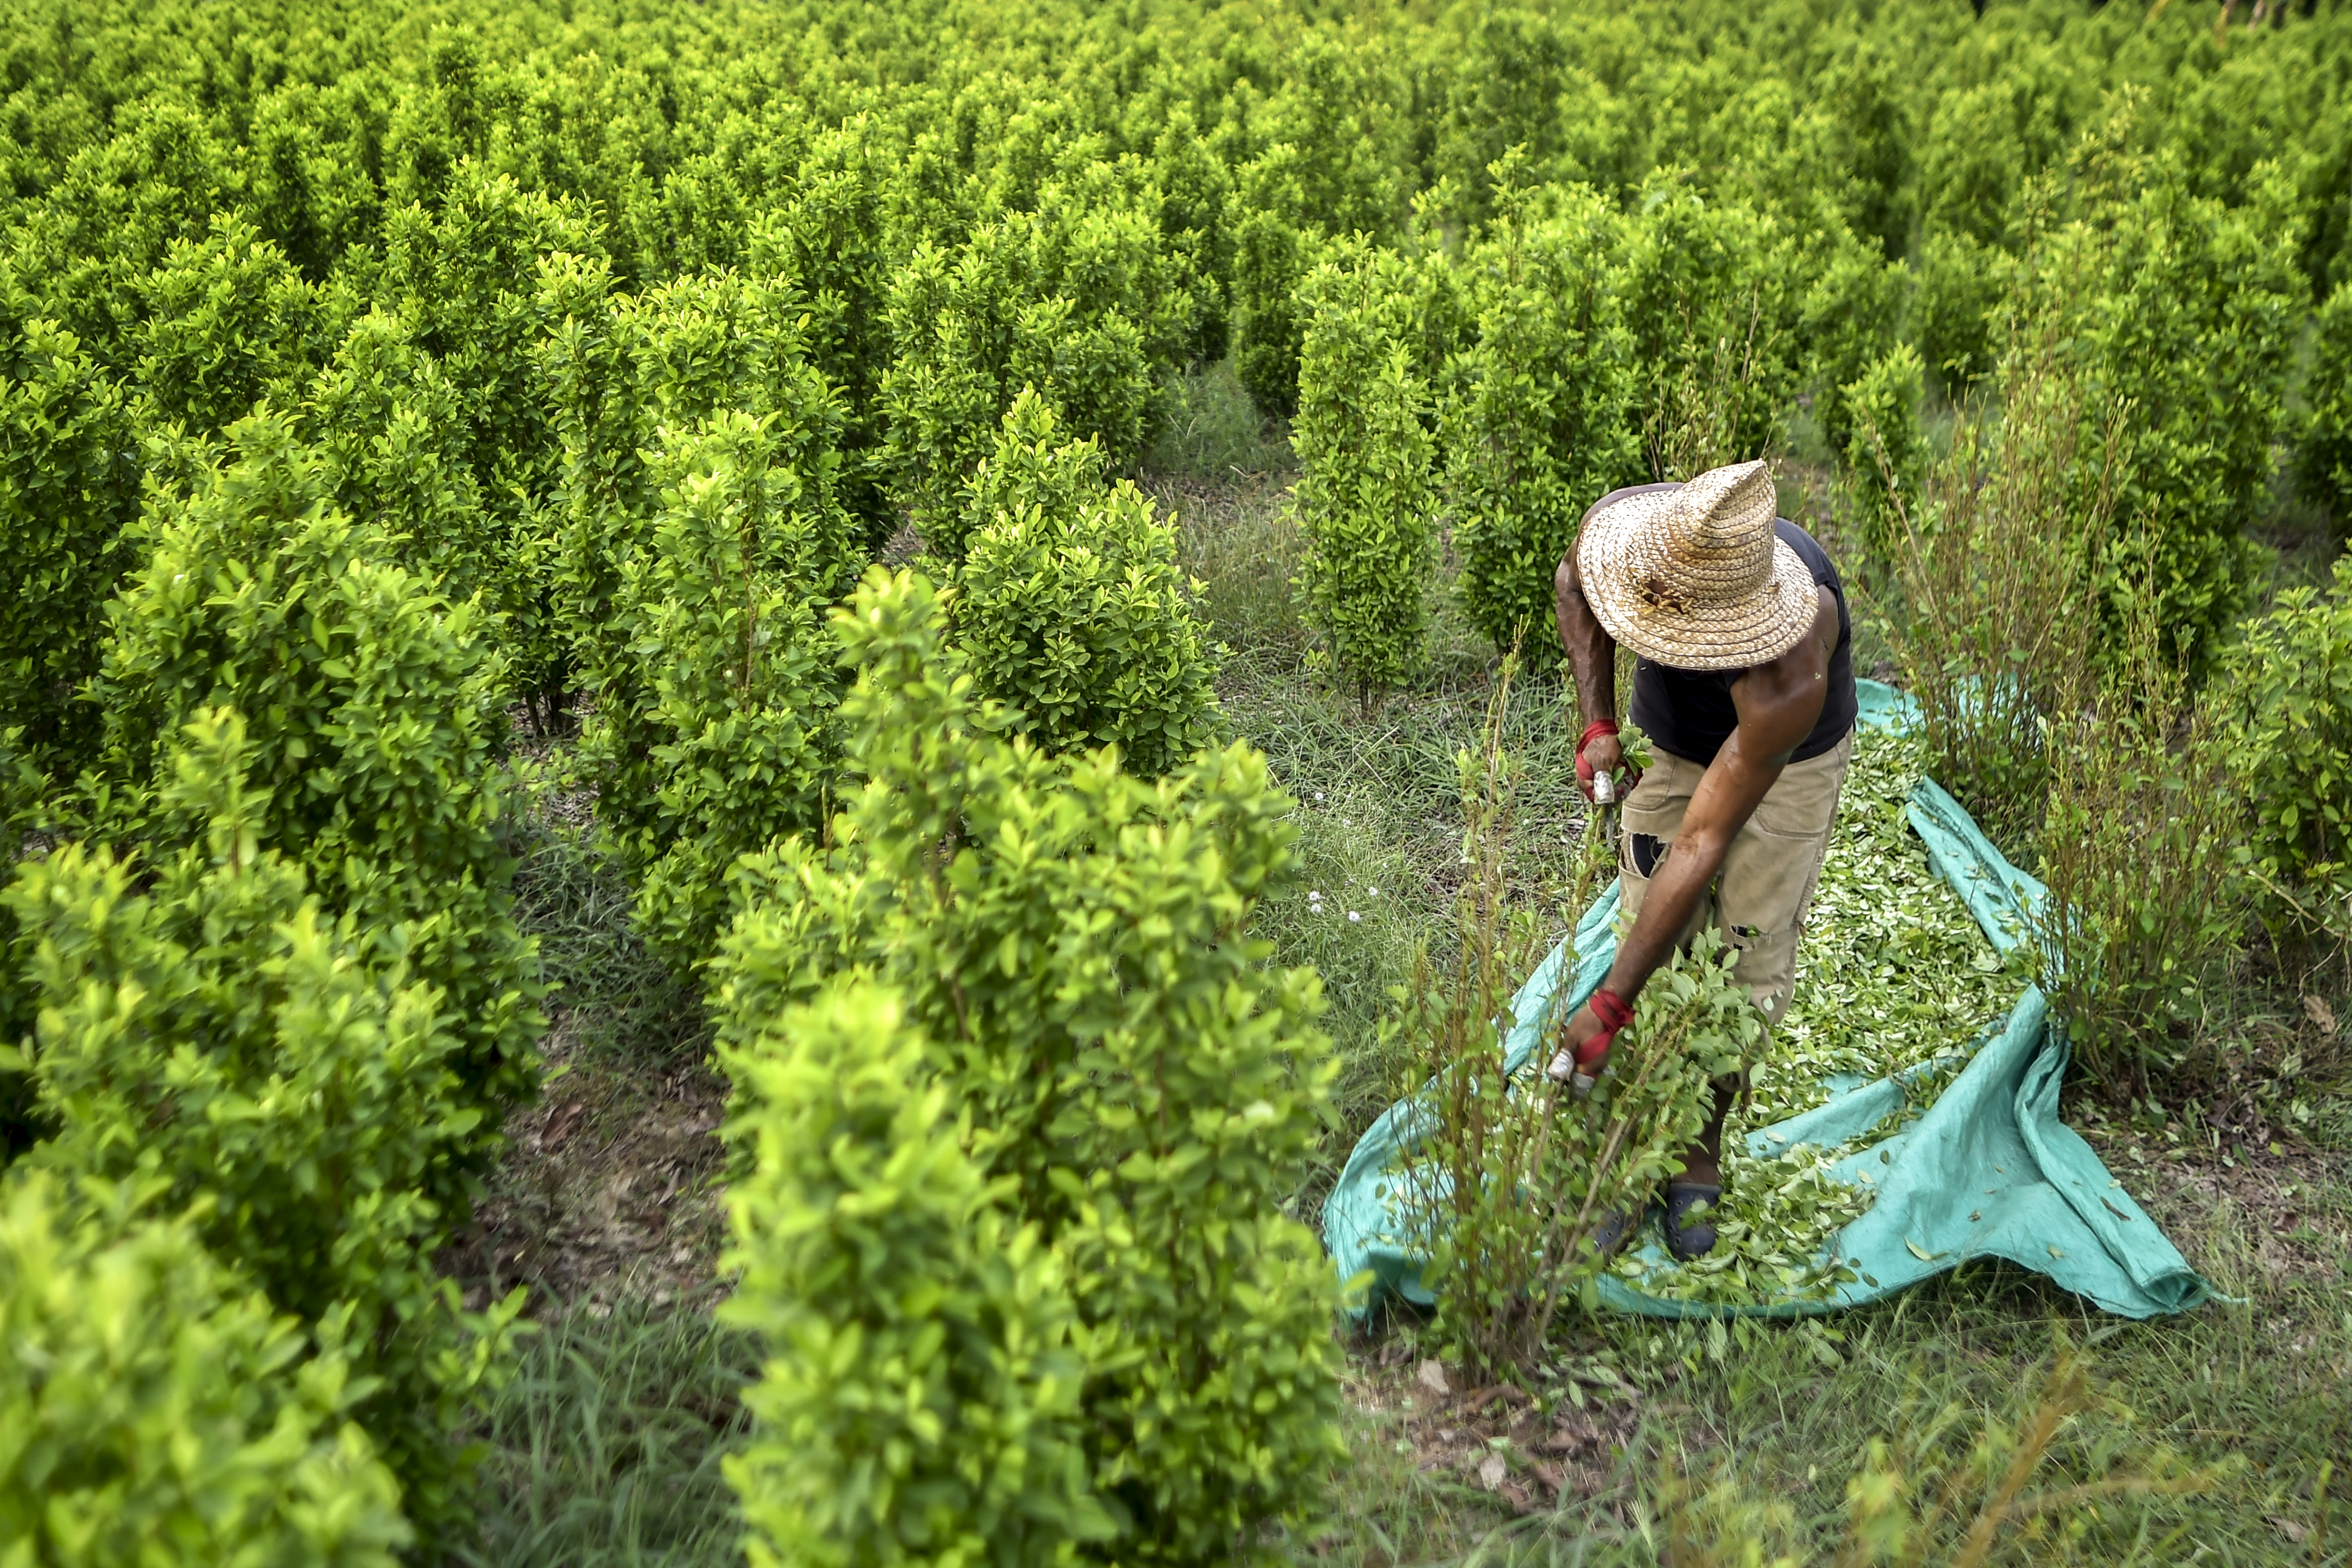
(606, 1448)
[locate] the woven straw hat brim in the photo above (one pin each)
(1754, 629)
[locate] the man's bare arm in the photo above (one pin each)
(1591, 652)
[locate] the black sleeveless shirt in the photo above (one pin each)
(1687, 714)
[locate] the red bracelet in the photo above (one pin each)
(1583, 768)
(1613, 1015)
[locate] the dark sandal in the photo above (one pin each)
(1612, 1230)
(1690, 1239)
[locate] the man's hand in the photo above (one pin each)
(1606, 754)
(1581, 1026)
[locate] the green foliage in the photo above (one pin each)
(387, 421)
(2286, 685)
(730, 748)
(921, 1401)
(1998, 568)
(1707, 295)
(832, 236)
(372, 712)
(1330, 164)
(2135, 846)
(2324, 446)
(68, 488)
(2181, 313)
(221, 1042)
(1073, 944)
(1961, 281)
(1884, 456)
(1539, 431)
(1507, 1182)
(1069, 607)
(1075, 300)
(624, 368)
(230, 321)
(462, 280)
(1365, 495)
(156, 1414)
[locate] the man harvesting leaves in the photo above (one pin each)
(1744, 682)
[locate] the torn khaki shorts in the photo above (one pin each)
(1758, 901)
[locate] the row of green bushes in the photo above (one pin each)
(1504, 384)
(268, 977)
(424, 238)
(267, 1005)
(369, 372)
(1023, 1098)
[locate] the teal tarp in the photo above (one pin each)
(1992, 1145)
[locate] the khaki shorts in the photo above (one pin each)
(1758, 901)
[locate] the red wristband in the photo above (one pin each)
(1583, 768)
(1613, 1014)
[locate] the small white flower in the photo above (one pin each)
(1372, 891)
(1319, 797)
(1354, 918)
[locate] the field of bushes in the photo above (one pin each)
(738, 738)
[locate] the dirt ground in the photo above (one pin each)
(610, 1188)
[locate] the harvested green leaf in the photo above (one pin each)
(1893, 972)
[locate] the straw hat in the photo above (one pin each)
(1693, 577)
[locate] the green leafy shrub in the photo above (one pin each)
(388, 422)
(254, 1063)
(1995, 563)
(833, 236)
(84, 253)
(1507, 1184)
(1367, 496)
(2134, 849)
(920, 1400)
(1961, 281)
(230, 320)
(461, 278)
(625, 366)
(1073, 301)
(1073, 943)
(374, 715)
(732, 747)
(1539, 430)
(2324, 446)
(1706, 291)
(2286, 688)
(156, 1414)
(1882, 455)
(1328, 163)
(2182, 313)
(68, 488)
(307, 185)
(1069, 606)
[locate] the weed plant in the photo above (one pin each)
(1512, 1179)
(1994, 619)
(1381, 823)
(2135, 849)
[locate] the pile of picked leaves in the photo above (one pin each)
(1894, 977)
